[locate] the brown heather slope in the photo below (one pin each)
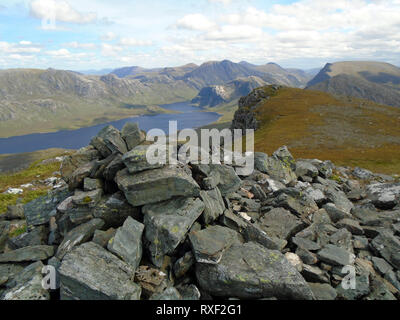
(314, 124)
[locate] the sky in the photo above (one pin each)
(99, 34)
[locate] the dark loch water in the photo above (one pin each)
(190, 117)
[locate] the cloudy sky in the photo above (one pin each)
(97, 34)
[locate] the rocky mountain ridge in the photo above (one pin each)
(121, 228)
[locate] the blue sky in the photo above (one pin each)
(97, 34)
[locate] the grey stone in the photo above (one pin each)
(340, 200)
(323, 291)
(27, 285)
(334, 213)
(15, 212)
(314, 274)
(306, 256)
(40, 210)
(214, 205)
(168, 294)
(152, 281)
(127, 243)
(366, 215)
(114, 210)
(79, 159)
(384, 195)
(362, 174)
(183, 265)
(227, 179)
(89, 272)
(109, 138)
(391, 278)
(306, 169)
(103, 237)
(281, 223)
(90, 184)
(36, 237)
(156, 185)
(89, 198)
(250, 271)
(78, 235)
(132, 135)
(379, 291)
(189, 292)
(258, 192)
(335, 255)
(113, 167)
(210, 244)
(33, 253)
(352, 225)
(388, 246)
(361, 289)
(167, 224)
(136, 160)
(306, 244)
(4, 230)
(277, 169)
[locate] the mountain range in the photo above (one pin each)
(375, 81)
(33, 100)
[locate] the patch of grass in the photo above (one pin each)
(315, 124)
(17, 232)
(37, 170)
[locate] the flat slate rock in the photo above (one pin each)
(250, 271)
(127, 242)
(167, 224)
(209, 244)
(34, 253)
(156, 185)
(384, 195)
(388, 246)
(89, 272)
(136, 160)
(214, 205)
(335, 255)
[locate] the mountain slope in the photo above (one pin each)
(315, 124)
(48, 100)
(375, 81)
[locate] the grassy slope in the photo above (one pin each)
(36, 170)
(347, 131)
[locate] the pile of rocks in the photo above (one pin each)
(125, 229)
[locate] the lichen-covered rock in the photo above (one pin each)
(388, 246)
(214, 205)
(384, 195)
(36, 237)
(127, 242)
(335, 255)
(136, 160)
(33, 253)
(78, 235)
(89, 272)
(156, 185)
(250, 271)
(132, 135)
(109, 141)
(278, 168)
(210, 244)
(167, 224)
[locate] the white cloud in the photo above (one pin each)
(224, 2)
(109, 50)
(109, 36)
(59, 53)
(131, 42)
(78, 45)
(60, 11)
(195, 21)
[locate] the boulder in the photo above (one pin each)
(113, 167)
(90, 184)
(36, 237)
(136, 160)
(33, 253)
(156, 185)
(89, 272)
(306, 169)
(114, 210)
(281, 223)
(250, 271)
(132, 135)
(323, 291)
(127, 243)
(224, 176)
(388, 246)
(209, 244)
(384, 195)
(78, 235)
(40, 210)
(152, 281)
(278, 169)
(167, 224)
(336, 256)
(27, 285)
(214, 205)
(109, 141)
(103, 237)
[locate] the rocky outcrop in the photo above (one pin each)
(286, 231)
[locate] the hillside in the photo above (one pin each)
(33, 100)
(375, 81)
(213, 96)
(314, 124)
